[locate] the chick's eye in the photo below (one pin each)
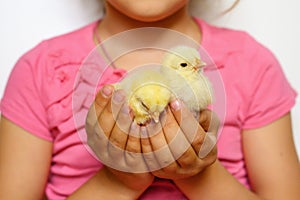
(145, 106)
(183, 64)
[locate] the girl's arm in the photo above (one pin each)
(24, 168)
(105, 185)
(24, 162)
(271, 161)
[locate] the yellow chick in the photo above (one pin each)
(147, 94)
(182, 66)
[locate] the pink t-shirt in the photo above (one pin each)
(39, 93)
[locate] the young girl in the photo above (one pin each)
(41, 154)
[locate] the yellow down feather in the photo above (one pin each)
(147, 94)
(149, 90)
(182, 66)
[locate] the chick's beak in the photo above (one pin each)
(155, 116)
(199, 66)
(196, 68)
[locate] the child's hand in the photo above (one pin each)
(110, 131)
(191, 144)
(170, 149)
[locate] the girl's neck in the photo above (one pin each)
(115, 22)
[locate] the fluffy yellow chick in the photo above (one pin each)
(182, 66)
(147, 94)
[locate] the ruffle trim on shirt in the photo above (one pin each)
(75, 85)
(59, 89)
(88, 82)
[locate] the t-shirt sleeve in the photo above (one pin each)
(22, 101)
(272, 96)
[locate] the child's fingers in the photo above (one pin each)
(134, 141)
(119, 134)
(160, 146)
(194, 133)
(118, 139)
(203, 142)
(109, 114)
(147, 150)
(209, 121)
(103, 97)
(133, 153)
(178, 143)
(96, 138)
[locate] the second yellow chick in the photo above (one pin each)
(182, 66)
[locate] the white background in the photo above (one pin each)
(274, 23)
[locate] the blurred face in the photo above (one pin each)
(147, 10)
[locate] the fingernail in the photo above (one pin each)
(118, 96)
(175, 105)
(106, 91)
